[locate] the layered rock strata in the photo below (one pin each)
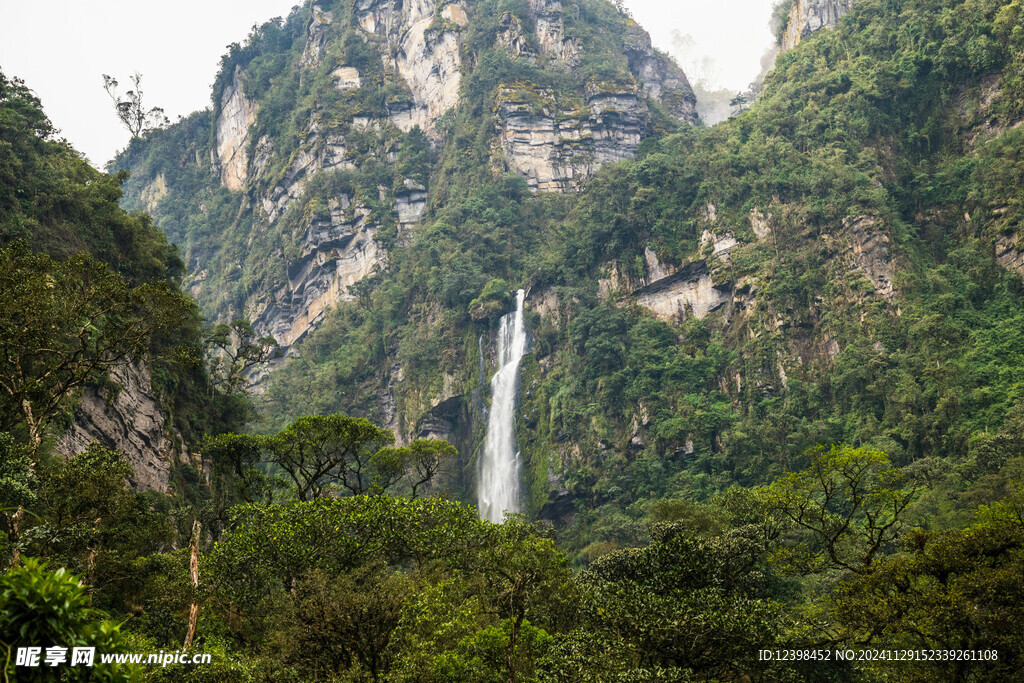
(556, 150)
(335, 252)
(125, 415)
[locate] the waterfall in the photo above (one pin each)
(498, 484)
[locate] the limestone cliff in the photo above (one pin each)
(556, 149)
(808, 16)
(422, 45)
(126, 415)
(556, 145)
(335, 252)
(237, 114)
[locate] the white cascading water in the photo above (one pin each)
(498, 484)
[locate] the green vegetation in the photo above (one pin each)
(38, 605)
(831, 459)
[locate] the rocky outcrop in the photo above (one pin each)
(760, 224)
(555, 150)
(1008, 255)
(673, 293)
(808, 16)
(410, 203)
(422, 46)
(319, 32)
(690, 291)
(549, 25)
(125, 415)
(871, 253)
(335, 252)
(237, 114)
(346, 78)
(512, 36)
(718, 244)
(556, 144)
(154, 192)
(659, 77)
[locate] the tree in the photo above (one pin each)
(325, 450)
(65, 324)
(681, 603)
(528, 581)
(236, 460)
(234, 351)
(846, 508)
(345, 621)
(17, 489)
(130, 108)
(91, 521)
(420, 462)
(954, 590)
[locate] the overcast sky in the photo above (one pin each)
(61, 48)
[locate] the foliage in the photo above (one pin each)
(66, 324)
(848, 502)
(319, 456)
(236, 350)
(957, 589)
(40, 608)
(830, 458)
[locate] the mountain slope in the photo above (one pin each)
(316, 157)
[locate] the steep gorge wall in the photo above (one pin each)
(126, 415)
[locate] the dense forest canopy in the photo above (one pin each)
(822, 450)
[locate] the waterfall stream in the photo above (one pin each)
(498, 484)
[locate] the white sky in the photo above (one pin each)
(61, 48)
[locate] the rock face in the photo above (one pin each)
(673, 293)
(410, 203)
(808, 16)
(336, 252)
(549, 26)
(556, 150)
(154, 192)
(319, 31)
(237, 114)
(659, 77)
(1007, 254)
(427, 57)
(557, 145)
(870, 248)
(418, 41)
(690, 291)
(127, 418)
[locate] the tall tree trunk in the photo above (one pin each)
(35, 430)
(14, 535)
(193, 612)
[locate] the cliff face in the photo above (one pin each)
(556, 149)
(557, 145)
(236, 116)
(808, 16)
(125, 415)
(421, 43)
